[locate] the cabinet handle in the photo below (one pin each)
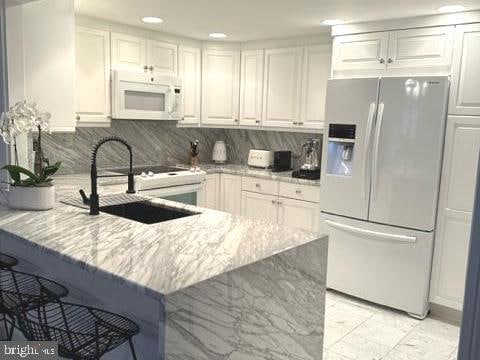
(77, 117)
(300, 123)
(295, 123)
(279, 203)
(390, 60)
(257, 121)
(257, 185)
(145, 68)
(273, 201)
(151, 68)
(382, 61)
(298, 191)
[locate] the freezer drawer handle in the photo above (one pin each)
(400, 238)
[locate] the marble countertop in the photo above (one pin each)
(259, 173)
(156, 259)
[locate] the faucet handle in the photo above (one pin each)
(85, 199)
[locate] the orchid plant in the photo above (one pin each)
(21, 118)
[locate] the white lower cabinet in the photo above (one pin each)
(298, 214)
(209, 196)
(462, 147)
(259, 206)
(231, 193)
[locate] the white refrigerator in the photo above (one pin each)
(382, 155)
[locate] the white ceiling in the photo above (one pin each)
(245, 20)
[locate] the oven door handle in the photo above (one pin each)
(171, 190)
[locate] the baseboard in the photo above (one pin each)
(446, 314)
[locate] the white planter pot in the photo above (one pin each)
(31, 198)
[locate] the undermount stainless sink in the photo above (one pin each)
(146, 212)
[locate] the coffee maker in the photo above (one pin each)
(310, 169)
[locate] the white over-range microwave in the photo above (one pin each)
(145, 96)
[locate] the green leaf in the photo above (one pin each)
(16, 172)
(49, 171)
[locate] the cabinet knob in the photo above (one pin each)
(298, 191)
(236, 120)
(257, 185)
(279, 202)
(273, 201)
(151, 68)
(145, 68)
(257, 121)
(295, 123)
(300, 123)
(382, 61)
(77, 117)
(390, 60)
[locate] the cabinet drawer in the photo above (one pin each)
(263, 186)
(300, 192)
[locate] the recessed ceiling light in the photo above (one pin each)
(331, 22)
(451, 8)
(152, 20)
(217, 35)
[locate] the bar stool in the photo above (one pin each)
(21, 292)
(7, 261)
(82, 332)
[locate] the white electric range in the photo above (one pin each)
(167, 182)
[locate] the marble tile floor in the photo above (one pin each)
(357, 330)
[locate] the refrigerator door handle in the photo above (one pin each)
(376, 145)
(371, 115)
(376, 234)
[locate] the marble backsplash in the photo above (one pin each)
(156, 142)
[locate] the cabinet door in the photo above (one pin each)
(259, 206)
(162, 57)
(251, 88)
(282, 87)
(316, 72)
(128, 52)
(455, 211)
(92, 77)
(298, 214)
(209, 196)
(465, 93)
(189, 70)
(427, 50)
(231, 193)
(358, 55)
(220, 87)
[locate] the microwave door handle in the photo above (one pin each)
(381, 108)
(170, 100)
(371, 115)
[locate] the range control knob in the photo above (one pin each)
(143, 174)
(150, 173)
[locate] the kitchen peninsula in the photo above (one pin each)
(208, 286)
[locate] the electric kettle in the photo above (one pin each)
(219, 153)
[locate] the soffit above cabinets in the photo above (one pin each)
(249, 20)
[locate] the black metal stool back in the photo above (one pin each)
(82, 332)
(7, 261)
(22, 292)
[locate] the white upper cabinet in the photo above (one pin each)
(424, 51)
(92, 76)
(417, 49)
(133, 53)
(316, 72)
(457, 191)
(465, 93)
(220, 87)
(49, 59)
(251, 86)
(162, 57)
(352, 53)
(282, 87)
(189, 70)
(128, 52)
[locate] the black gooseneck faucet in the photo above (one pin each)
(94, 199)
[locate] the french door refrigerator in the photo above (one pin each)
(382, 155)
